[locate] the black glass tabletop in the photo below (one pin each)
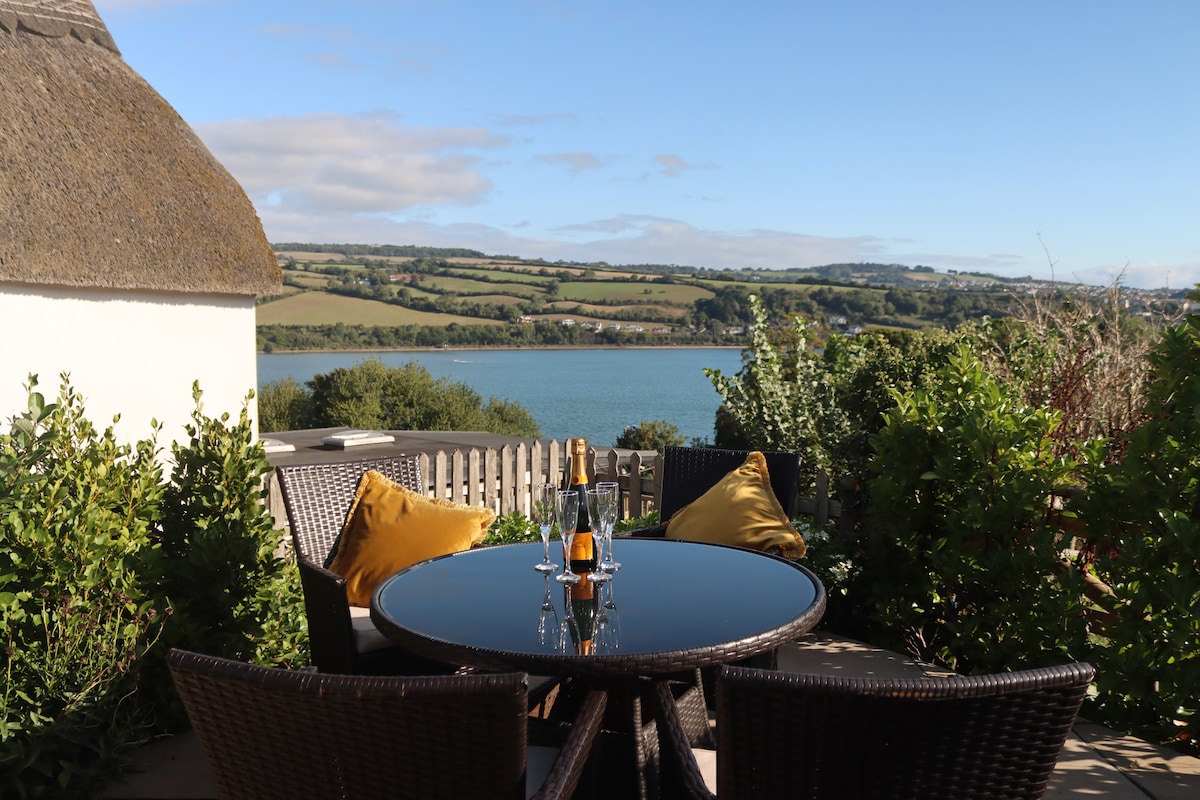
(672, 606)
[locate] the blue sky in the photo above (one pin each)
(998, 137)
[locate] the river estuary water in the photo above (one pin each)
(591, 392)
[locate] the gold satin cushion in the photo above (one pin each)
(741, 509)
(390, 527)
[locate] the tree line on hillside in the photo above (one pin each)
(382, 251)
(340, 336)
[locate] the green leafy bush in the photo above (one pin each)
(510, 528)
(784, 398)
(104, 564)
(824, 398)
(650, 435)
(962, 562)
(218, 559)
(374, 396)
(1142, 515)
(77, 511)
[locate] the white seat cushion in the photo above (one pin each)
(707, 761)
(538, 763)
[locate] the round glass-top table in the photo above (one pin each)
(673, 606)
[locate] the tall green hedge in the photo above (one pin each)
(105, 561)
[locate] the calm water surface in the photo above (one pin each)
(592, 392)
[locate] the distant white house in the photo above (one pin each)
(129, 257)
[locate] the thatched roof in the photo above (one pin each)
(102, 184)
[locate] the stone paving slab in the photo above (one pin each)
(1096, 761)
(1160, 773)
(170, 768)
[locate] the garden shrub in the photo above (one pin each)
(650, 435)
(77, 511)
(1077, 355)
(962, 561)
(511, 528)
(372, 395)
(1143, 515)
(822, 398)
(104, 564)
(218, 560)
(784, 397)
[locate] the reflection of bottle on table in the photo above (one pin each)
(581, 608)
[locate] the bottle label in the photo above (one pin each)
(581, 550)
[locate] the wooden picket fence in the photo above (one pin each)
(503, 479)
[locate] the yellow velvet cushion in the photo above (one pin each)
(741, 509)
(390, 527)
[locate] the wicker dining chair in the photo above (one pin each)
(689, 472)
(317, 499)
(272, 733)
(815, 736)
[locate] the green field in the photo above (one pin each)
(322, 308)
(495, 299)
(508, 275)
(630, 291)
(451, 283)
(309, 280)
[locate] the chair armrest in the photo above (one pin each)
(573, 755)
(330, 634)
(680, 770)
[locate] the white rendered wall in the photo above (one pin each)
(130, 353)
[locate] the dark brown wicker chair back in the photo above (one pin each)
(270, 733)
(792, 735)
(689, 472)
(317, 497)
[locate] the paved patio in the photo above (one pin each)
(1096, 762)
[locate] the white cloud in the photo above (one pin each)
(671, 165)
(640, 239)
(330, 165)
(576, 162)
(630, 239)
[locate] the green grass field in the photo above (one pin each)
(448, 283)
(627, 291)
(506, 275)
(322, 308)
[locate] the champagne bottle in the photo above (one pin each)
(583, 559)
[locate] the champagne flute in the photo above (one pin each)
(544, 496)
(605, 637)
(610, 510)
(596, 500)
(566, 506)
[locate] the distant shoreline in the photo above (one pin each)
(458, 348)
